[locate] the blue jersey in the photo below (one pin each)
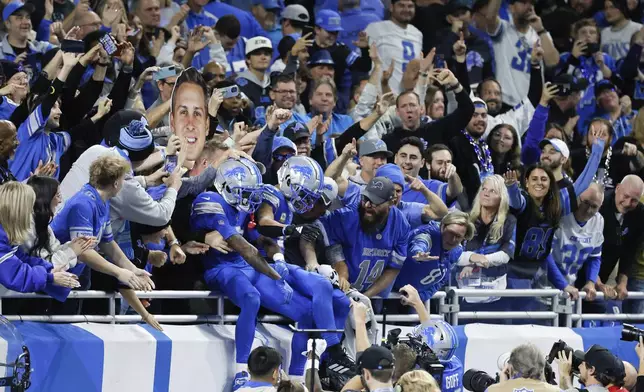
(250, 27)
(452, 375)
(203, 18)
(438, 187)
(211, 212)
(84, 214)
(37, 145)
(281, 213)
(427, 276)
(367, 255)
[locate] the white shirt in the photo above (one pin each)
(616, 43)
(78, 175)
(395, 44)
(515, 48)
(573, 244)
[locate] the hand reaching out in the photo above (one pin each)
(350, 149)
(510, 178)
(427, 62)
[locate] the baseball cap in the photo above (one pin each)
(321, 57)
(393, 172)
(379, 190)
(128, 130)
(602, 86)
(281, 141)
(570, 82)
(9, 68)
(268, 4)
(256, 43)
(369, 147)
(329, 191)
(604, 361)
(376, 358)
(558, 144)
(16, 6)
(296, 130)
(478, 102)
(328, 20)
(455, 5)
(296, 12)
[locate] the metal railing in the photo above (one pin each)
(561, 307)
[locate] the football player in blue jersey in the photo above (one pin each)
(243, 275)
(367, 244)
(301, 186)
(433, 251)
(440, 337)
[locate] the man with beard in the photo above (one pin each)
(410, 159)
(599, 369)
(408, 109)
(397, 40)
(554, 154)
(514, 42)
(367, 244)
(474, 160)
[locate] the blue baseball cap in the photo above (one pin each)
(268, 4)
(16, 6)
(281, 141)
(329, 20)
(392, 172)
(321, 57)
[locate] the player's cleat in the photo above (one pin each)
(240, 380)
(341, 366)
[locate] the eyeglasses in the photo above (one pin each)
(286, 92)
(282, 157)
(171, 84)
(367, 202)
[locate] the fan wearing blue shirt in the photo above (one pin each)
(433, 251)
(38, 141)
(249, 26)
(367, 244)
(87, 213)
(198, 16)
(243, 275)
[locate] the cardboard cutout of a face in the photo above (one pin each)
(189, 111)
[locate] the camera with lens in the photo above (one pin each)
(561, 346)
(426, 359)
(477, 380)
(631, 333)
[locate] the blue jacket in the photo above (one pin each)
(21, 272)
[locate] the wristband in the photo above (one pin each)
(452, 88)
(278, 258)
(103, 64)
(424, 74)
(173, 243)
(542, 31)
(312, 363)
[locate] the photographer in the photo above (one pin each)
(376, 367)
(524, 371)
(598, 370)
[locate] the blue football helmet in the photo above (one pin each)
(440, 337)
(301, 180)
(239, 181)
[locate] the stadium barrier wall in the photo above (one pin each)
(88, 357)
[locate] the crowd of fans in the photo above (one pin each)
(293, 156)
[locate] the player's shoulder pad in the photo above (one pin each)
(209, 203)
(272, 195)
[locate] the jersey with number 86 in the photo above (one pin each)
(427, 276)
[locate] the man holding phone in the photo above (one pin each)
(159, 113)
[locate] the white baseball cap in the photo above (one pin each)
(258, 43)
(296, 12)
(558, 144)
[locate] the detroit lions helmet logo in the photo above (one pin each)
(236, 172)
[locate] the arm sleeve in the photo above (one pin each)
(628, 70)
(517, 200)
(586, 176)
(451, 123)
(353, 132)
(594, 264)
(536, 85)
(262, 152)
(197, 184)
(530, 152)
(43, 30)
(209, 215)
(21, 276)
(464, 259)
(68, 97)
(399, 251)
(554, 274)
(135, 204)
(498, 258)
